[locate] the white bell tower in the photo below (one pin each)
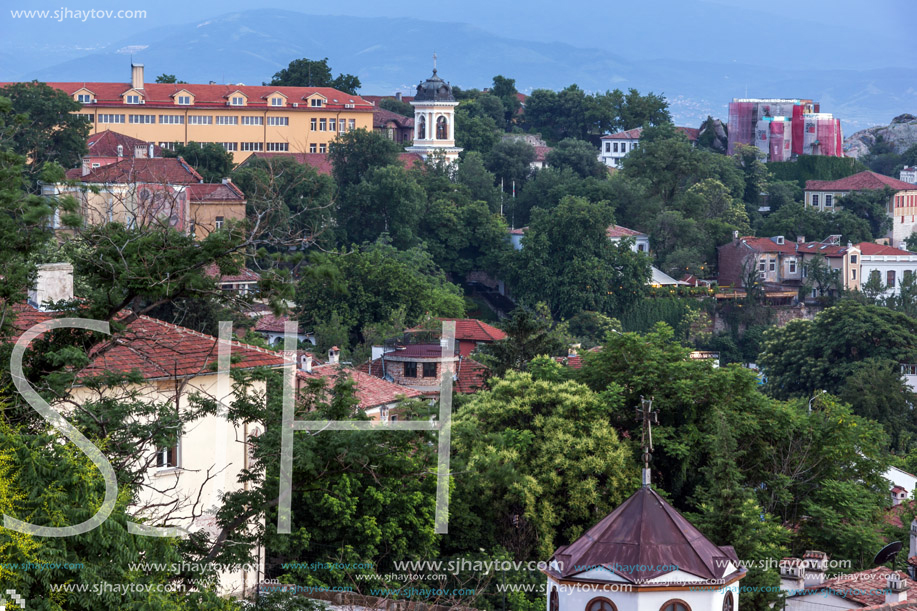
(434, 119)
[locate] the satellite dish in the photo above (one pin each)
(887, 553)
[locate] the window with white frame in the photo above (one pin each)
(313, 124)
(143, 119)
(230, 146)
(171, 120)
(167, 458)
(184, 100)
(332, 125)
(792, 266)
(829, 201)
(276, 101)
(762, 265)
(351, 124)
(322, 148)
(316, 102)
(278, 120)
(278, 147)
(773, 265)
(200, 120)
(85, 98)
(218, 223)
(132, 99)
(227, 120)
(815, 200)
(252, 120)
(237, 101)
(312, 148)
(106, 118)
(252, 146)
(322, 125)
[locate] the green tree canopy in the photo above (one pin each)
(579, 156)
(212, 161)
(314, 73)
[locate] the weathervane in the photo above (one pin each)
(649, 417)
(434, 62)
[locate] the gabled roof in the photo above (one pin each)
(215, 192)
(864, 587)
(472, 329)
(269, 323)
(105, 144)
(382, 116)
(470, 374)
(244, 275)
(158, 170)
(827, 250)
(642, 534)
(159, 350)
(370, 390)
(634, 134)
(160, 94)
(763, 245)
(873, 249)
(617, 231)
(864, 181)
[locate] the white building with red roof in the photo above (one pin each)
(887, 264)
(823, 195)
(615, 147)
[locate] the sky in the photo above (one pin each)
(818, 33)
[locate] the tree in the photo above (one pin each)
(367, 286)
(386, 201)
(314, 73)
(750, 159)
(473, 175)
(641, 110)
(821, 280)
(527, 448)
(212, 161)
(568, 261)
(397, 106)
(474, 132)
(505, 89)
(46, 128)
(794, 220)
(510, 160)
(664, 159)
(528, 335)
(871, 206)
(169, 78)
(577, 155)
(353, 155)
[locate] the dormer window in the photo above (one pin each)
(132, 99)
(316, 102)
(184, 100)
(84, 98)
(237, 101)
(276, 101)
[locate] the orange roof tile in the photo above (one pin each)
(863, 181)
(159, 170)
(370, 390)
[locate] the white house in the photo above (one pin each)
(641, 241)
(889, 264)
(614, 147)
(909, 175)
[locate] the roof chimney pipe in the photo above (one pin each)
(896, 591)
(136, 76)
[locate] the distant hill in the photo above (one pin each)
(390, 54)
(901, 134)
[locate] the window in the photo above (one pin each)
(555, 602)
(171, 120)
(276, 101)
(829, 201)
(792, 267)
(608, 147)
(230, 146)
(85, 98)
(132, 99)
(410, 370)
(341, 125)
(192, 229)
(111, 118)
(853, 258)
(323, 125)
(429, 370)
(169, 146)
(762, 265)
(676, 605)
(890, 279)
(167, 458)
(815, 200)
(853, 274)
(278, 147)
(323, 148)
(200, 120)
(600, 604)
(252, 146)
(773, 266)
(237, 101)
(728, 602)
(316, 102)
(184, 100)
(442, 129)
(312, 148)
(351, 125)
(421, 128)
(278, 120)
(623, 147)
(227, 120)
(218, 223)
(907, 275)
(142, 119)
(86, 117)
(313, 124)
(252, 120)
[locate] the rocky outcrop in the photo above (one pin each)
(901, 133)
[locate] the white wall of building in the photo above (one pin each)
(576, 598)
(883, 264)
(612, 151)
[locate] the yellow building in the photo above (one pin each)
(243, 119)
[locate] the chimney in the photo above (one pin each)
(735, 235)
(800, 239)
(213, 83)
(136, 76)
(152, 150)
(307, 362)
(334, 355)
(896, 591)
(815, 563)
(53, 283)
(398, 95)
(120, 151)
(791, 570)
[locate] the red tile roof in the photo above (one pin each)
(864, 181)
(634, 134)
(375, 99)
(574, 361)
(159, 170)
(160, 95)
(768, 245)
(159, 350)
(319, 161)
(420, 351)
(828, 250)
(270, 323)
(409, 160)
(475, 330)
(370, 390)
(871, 248)
(215, 192)
(382, 116)
(519, 231)
(471, 376)
(244, 275)
(864, 587)
(617, 231)
(105, 144)
(541, 152)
